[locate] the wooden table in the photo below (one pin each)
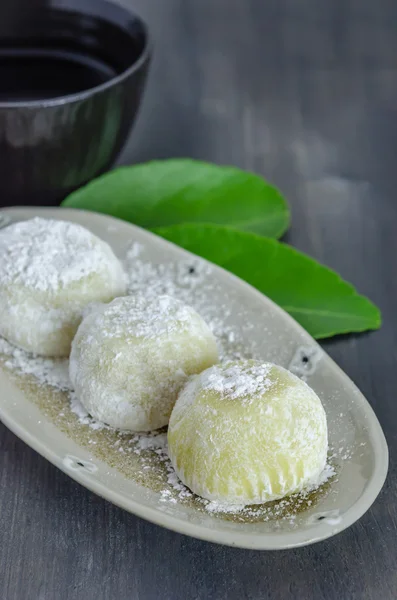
(304, 92)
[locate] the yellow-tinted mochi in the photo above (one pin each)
(247, 432)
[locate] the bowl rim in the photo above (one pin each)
(65, 99)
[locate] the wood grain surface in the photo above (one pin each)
(304, 92)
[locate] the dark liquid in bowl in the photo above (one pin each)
(39, 74)
(72, 74)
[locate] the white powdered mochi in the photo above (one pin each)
(130, 359)
(247, 432)
(49, 272)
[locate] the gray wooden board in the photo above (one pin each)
(304, 92)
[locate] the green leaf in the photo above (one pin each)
(319, 299)
(170, 192)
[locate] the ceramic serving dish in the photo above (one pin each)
(41, 416)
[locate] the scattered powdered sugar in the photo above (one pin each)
(143, 317)
(46, 254)
(174, 481)
(219, 507)
(47, 371)
(242, 381)
(327, 473)
(186, 280)
(84, 418)
(152, 442)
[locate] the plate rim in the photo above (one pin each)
(281, 541)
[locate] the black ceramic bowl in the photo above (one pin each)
(71, 81)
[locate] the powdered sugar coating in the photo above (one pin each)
(50, 270)
(231, 381)
(47, 255)
(130, 359)
(144, 317)
(247, 432)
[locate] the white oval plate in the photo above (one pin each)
(361, 455)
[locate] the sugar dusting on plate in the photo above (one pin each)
(53, 372)
(143, 457)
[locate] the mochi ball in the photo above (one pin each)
(130, 359)
(49, 271)
(247, 432)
